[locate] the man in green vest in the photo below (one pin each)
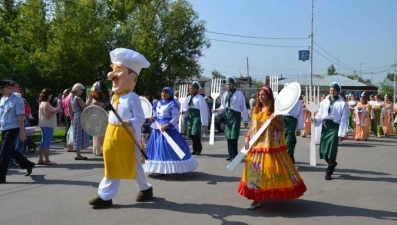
(233, 103)
(197, 116)
(334, 116)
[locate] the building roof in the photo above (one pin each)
(323, 80)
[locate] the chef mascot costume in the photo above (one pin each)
(122, 159)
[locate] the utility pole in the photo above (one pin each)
(248, 74)
(311, 47)
(394, 83)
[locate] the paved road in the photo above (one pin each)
(364, 191)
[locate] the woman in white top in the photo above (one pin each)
(47, 122)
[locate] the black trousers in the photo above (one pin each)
(232, 147)
(331, 166)
(197, 147)
(7, 149)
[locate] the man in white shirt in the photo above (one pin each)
(334, 116)
(233, 102)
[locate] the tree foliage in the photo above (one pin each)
(258, 83)
(359, 79)
(216, 74)
(386, 87)
(331, 70)
(58, 43)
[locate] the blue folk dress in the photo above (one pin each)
(161, 157)
(80, 137)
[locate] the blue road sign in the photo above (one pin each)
(304, 55)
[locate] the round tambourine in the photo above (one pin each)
(94, 120)
(146, 106)
(287, 98)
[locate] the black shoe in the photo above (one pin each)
(228, 159)
(194, 153)
(198, 152)
(99, 202)
(29, 169)
(328, 177)
(145, 196)
(2, 181)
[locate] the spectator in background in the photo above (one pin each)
(19, 145)
(12, 114)
(97, 141)
(47, 122)
(76, 107)
(176, 96)
(252, 101)
(60, 113)
(65, 104)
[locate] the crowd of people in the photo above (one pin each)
(368, 114)
(269, 172)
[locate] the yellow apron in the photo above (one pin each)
(119, 153)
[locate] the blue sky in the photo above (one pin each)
(357, 32)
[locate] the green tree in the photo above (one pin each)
(390, 76)
(359, 79)
(30, 43)
(79, 47)
(170, 35)
(216, 74)
(9, 11)
(331, 70)
(58, 43)
(258, 83)
(386, 87)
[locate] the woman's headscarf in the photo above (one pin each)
(170, 101)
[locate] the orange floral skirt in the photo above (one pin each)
(270, 175)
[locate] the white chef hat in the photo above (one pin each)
(129, 58)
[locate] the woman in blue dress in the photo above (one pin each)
(80, 137)
(161, 157)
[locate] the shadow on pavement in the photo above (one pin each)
(356, 145)
(197, 176)
(304, 168)
(40, 179)
(298, 208)
(376, 179)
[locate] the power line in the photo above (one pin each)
(263, 45)
(293, 69)
(339, 62)
(256, 37)
(352, 70)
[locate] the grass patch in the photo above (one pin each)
(59, 134)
